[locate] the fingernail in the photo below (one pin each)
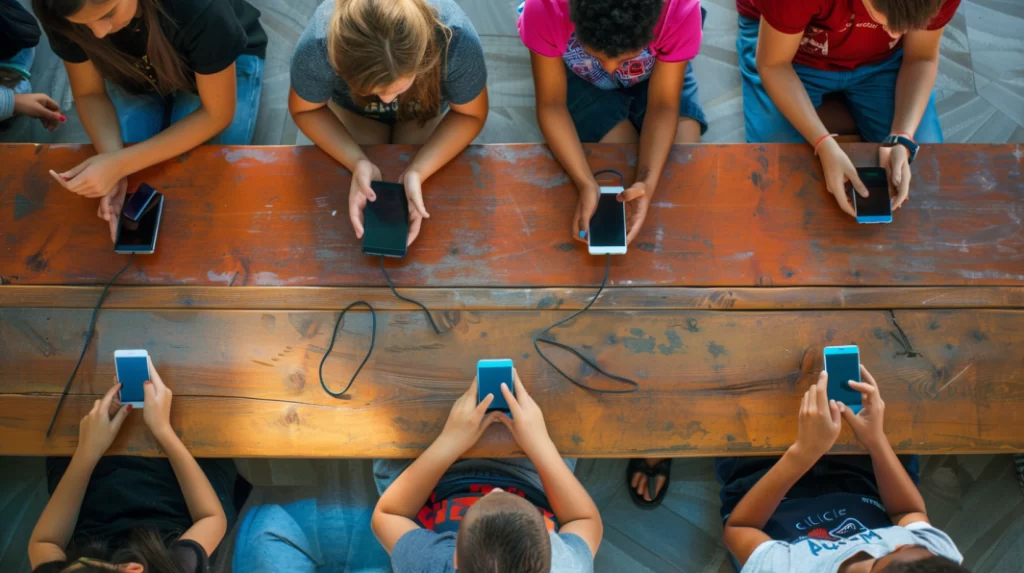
(583, 234)
(62, 118)
(129, 407)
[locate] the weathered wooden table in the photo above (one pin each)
(744, 271)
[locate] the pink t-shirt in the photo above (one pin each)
(546, 29)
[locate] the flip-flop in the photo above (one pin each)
(638, 465)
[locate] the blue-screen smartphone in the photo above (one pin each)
(132, 367)
(490, 374)
(842, 363)
(876, 207)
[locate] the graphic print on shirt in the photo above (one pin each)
(631, 72)
(446, 515)
(828, 523)
(815, 40)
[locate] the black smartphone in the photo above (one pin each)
(490, 375)
(386, 221)
(608, 225)
(876, 207)
(142, 239)
(138, 202)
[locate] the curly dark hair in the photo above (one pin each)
(615, 27)
(933, 564)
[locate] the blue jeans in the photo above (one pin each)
(870, 93)
(143, 116)
(15, 73)
(307, 537)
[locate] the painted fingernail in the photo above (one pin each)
(62, 118)
(129, 407)
(583, 234)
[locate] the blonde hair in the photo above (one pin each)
(374, 43)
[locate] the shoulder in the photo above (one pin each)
(545, 26)
(422, 550)
(945, 14)
(463, 34)
(769, 556)
(570, 553)
(934, 539)
(186, 12)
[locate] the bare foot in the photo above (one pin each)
(639, 481)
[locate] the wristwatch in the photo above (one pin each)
(894, 140)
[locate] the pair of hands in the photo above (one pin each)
(360, 192)
(468, 420)
(821, 419)
(100, 426)
(41, 107)
(100, 176)
(839, 169)
(636, 198)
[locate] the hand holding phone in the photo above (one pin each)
(876, 207)
(158, 400)
(819, 422)
(132, 368)
(98, 428)
(490, 375)
(466, 422)
(842, 363)
(525, 419)
(608, 225)
(868, 423)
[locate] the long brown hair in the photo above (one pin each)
(145, 546)
(374, 43)
(114, 65)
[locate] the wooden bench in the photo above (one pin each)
(744, 271)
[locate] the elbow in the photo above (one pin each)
(376, 521)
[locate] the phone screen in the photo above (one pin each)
(608, 225)
(143, 238)
(841, 368)
(489, 381)
(877, 201)
(386, 221)
(137, 202)
(132, 371)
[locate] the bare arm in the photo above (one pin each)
(775, 53)
(99, 118)
(217, 110)
(396, 511)
(53, 531)
(661, 121)
(208, 520)
(555, 122)
(319, 123)
(916, 78)
(458, 128)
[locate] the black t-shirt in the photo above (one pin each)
(208, 35)
(189, 554)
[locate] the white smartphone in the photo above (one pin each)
(608, 225)
(132, 368)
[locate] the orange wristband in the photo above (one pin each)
(823, 138)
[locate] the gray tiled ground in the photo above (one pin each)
(980, 92)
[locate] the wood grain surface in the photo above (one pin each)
(712, 383)
(723, 215)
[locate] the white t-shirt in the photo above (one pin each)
(819, 556)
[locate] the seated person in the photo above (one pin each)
(389, 71)
(438, 514)
(610, 71)
(19, 35)
(846, 514)
(882, 55)
(129, 514)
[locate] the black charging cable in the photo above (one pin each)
(373, 334)
(88, 339)
(539, 337)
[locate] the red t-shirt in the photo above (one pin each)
(838, 34)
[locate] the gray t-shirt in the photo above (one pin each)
(424, 551)
(314, 80)
(810, 555)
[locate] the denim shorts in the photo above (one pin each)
(145, 115)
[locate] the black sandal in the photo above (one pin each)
(639, 465)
